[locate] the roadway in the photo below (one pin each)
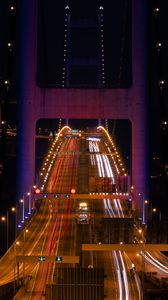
(56, 228)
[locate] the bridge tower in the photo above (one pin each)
(77, 103)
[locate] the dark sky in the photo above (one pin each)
(83, 41)
(157, 63)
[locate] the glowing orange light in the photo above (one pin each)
(73, 191)
(37, 191)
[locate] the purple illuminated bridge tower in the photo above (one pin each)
(77, 103)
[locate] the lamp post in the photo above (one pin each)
(16, 266)
(25, 197)
(5, 219)
(24, 239)
(145, 202)
(23, 214)
(29, 195)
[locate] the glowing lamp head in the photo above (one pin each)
(37, 191)
(73, 191)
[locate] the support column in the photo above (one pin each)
(27, 99)
(139, 101)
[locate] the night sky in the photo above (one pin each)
(82, 42)
(157, 70)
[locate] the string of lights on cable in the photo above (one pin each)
(102, 80)
(161, 81)
(66, 45)
(160, 77)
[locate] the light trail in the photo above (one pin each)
(125, 276)
(151, 259)
(118, 275)
(104, 168)
(155, 262)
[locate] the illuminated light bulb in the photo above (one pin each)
(156, 11)
(7, 82)
(13, 8)
(158, 45)
(164, 123)
(161, 84)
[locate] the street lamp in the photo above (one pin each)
(6, 219)
(24, 239)
(23, 215)
(145, 202)
(16, 266)
(29, 195)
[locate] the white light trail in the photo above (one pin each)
(125, 277)
(155, 262)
